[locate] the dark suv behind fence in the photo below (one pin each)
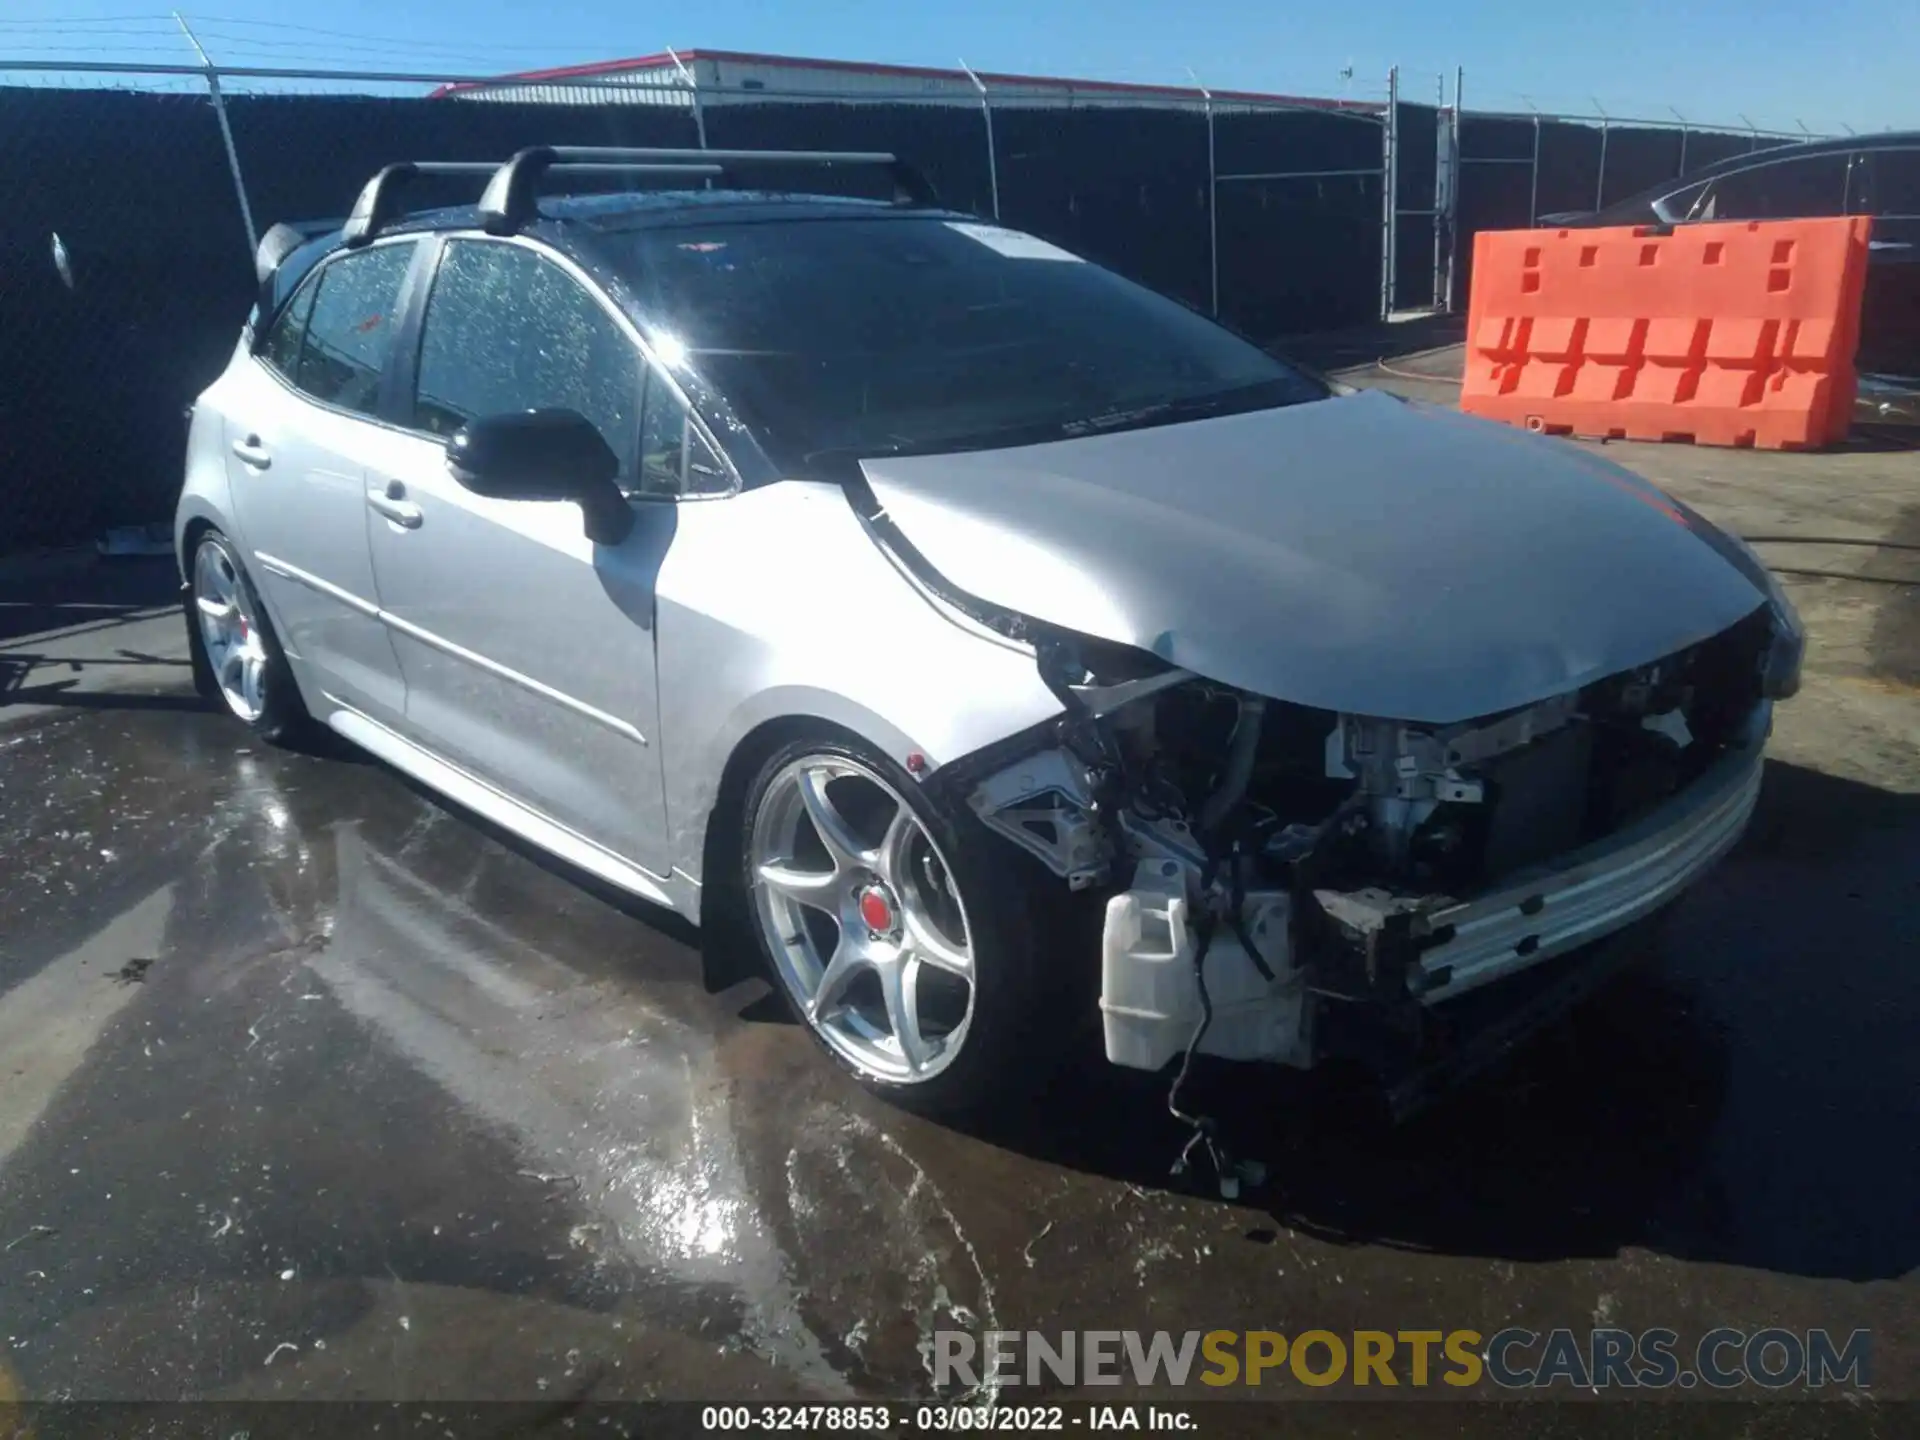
(1861, 175)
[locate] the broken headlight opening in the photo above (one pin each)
(1276, 877)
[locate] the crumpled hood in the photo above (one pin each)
(1358, 554)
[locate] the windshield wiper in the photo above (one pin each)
(1115, 419)
(1261, 394)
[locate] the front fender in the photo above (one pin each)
(776, 604)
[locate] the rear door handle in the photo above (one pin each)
(390, 500)
(252, 452)
(1889, 244)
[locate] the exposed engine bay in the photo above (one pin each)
(1271, 872)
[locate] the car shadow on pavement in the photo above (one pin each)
(1748, 1096)
(65, 594)
(1877, 438)
(73, 694)
(78, 632)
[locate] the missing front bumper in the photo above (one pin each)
(1466, 1037)
(1416, 963)
(1600, 888)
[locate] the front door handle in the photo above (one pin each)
(253, 453)
(390, 500)
(1889, 244)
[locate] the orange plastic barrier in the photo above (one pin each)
(1738, 333)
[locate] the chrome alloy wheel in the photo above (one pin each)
(230, 631)
(864, 920)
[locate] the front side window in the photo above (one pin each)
(349, 327)
(675, 458)
(1803, 189)
(507, 329)
(884, 335)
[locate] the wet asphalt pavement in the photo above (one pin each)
(311, 1086)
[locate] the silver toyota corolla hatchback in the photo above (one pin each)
(1016, 652)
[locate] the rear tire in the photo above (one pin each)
(237, 659)
(881, 914)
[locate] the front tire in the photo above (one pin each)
(897, 934)
(237, 659)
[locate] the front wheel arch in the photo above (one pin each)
(719, 886)
(1012, 912)
(204, 683)
(283, 718)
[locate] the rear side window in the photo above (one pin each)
(282, 347)
(1887, 183)
(349, 326)
(507, 329)
(1802, 189)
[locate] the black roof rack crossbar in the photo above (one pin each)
(513, 188)
(379, 202)
(513, 193)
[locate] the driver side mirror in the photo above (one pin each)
(544, 455)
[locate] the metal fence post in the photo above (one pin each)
(986, 113)
(1453, 196)
(226, 135)
(1440, 148)
(1213, 203)
(1389, 200)
(1533, 191)
(699, 107)
(1683, 141)
(1600, 184)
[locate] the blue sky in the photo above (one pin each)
(1845, 62)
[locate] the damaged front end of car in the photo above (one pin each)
(1288, 884)
(1367, 707)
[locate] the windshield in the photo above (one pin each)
(883, 335)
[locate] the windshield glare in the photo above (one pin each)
(881, 335)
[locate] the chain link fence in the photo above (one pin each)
(133, 195)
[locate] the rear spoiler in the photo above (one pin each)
(279, 243)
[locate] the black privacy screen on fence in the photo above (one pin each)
(98, 372)
(1299, 199)
(96, 375)
(1413, 260)
(96, 363)
(102, 349)
(1501, 187)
